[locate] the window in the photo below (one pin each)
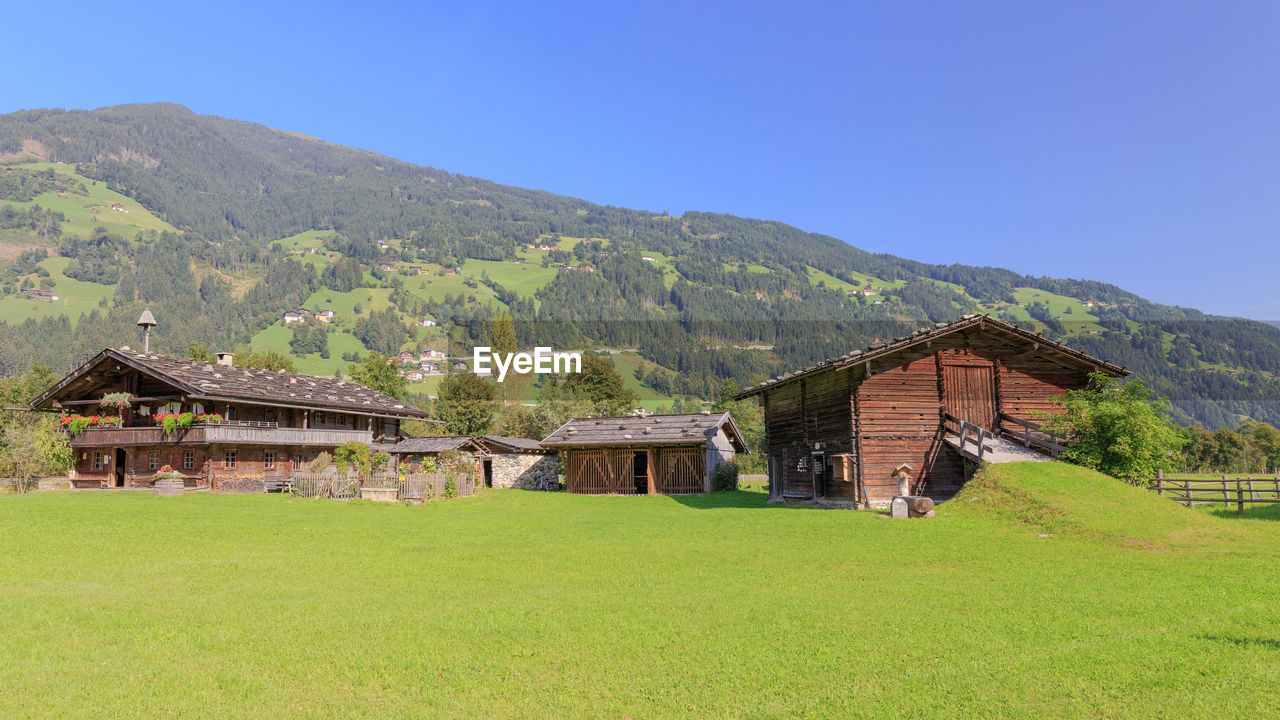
(231, 412)
(340, 418)
(153, 461)
(319, 417)
(189, 460)
(97, 461)
(296, 462)
(271, 415)
(269, 459)
(229, 460)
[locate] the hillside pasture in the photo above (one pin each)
(74, 296)
(524, 278)
(85, 212)
(435, 287)
(1057, 595)
(1074, 315)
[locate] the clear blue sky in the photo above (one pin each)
(1136, 143)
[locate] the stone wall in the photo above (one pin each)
(525, 471)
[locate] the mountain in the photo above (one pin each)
(209, 220)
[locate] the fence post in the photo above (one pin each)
(1186, 484)
(1239, 498)
(1226, 497)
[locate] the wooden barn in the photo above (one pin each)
(667, 454)
(926, 406)
(243, 427)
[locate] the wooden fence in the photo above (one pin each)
(1218, 492)
(416, 486)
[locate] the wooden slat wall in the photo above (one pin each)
(681, 470)
(588, 472)
(815, 410)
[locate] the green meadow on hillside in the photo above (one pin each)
(1040, 591)
(1068, 309)
(75, 297)
(524, 278)
(93, 209)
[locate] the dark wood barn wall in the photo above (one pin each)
(813, 410)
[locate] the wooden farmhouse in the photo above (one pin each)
(926, 406)
(668, 454)
(257, 424)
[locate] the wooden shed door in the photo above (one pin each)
(969, 393)
(681, 470)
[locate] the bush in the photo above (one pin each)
(352, 453)
(1119, 429)
(725, 477)
(450, 488)
(320, 463)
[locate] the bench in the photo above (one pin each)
(280, 485)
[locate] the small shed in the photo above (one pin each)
(416, 450)
(667, 454)
(521, 463)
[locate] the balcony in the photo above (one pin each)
(229, 433)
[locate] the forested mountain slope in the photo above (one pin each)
(216, 218)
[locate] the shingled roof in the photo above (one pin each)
(502, 444)
(210, 381)
(651, 430)
(425, 445)
(1048, 348)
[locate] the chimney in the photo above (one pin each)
(226, 358)
(146, 321)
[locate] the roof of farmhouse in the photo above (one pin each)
(211, 381)
(1023, 339)
(694, 429)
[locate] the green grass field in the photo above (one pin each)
(1042, 591)
(74, 297)
(1073, 314)
(525, 278)
(85, 212)
(625, 365)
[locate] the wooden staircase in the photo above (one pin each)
(978, 444)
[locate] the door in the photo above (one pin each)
(118, 469)
(969, 393)
(681, 470)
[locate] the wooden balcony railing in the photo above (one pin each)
(231, 433)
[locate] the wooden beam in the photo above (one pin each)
(158, 398)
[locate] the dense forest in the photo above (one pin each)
(233, 188)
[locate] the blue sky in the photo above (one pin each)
(1135, 143)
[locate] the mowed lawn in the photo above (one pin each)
(533, 605)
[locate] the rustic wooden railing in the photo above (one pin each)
(963, 430)
(232, 433)
(242, 423)
(1218, 492)
(1033, 434)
